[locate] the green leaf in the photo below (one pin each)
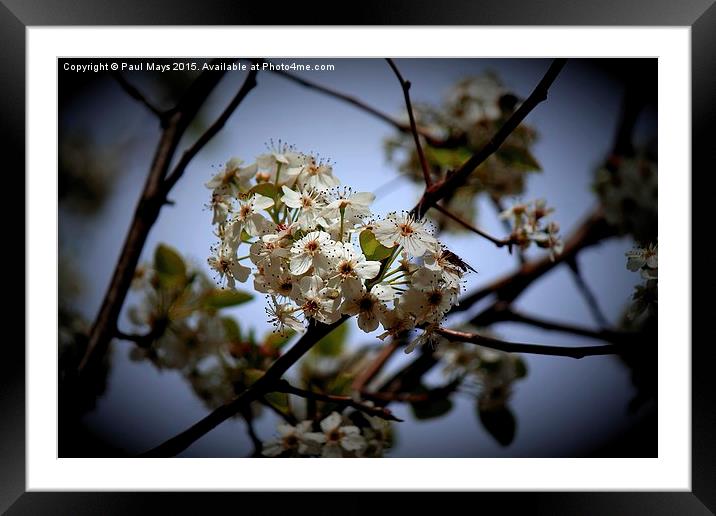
(500, 423)
(277, 340)
(170, 267)
(372, 249)
(432, 408)
(245, 237)
(252, 375)
(218, 298)
(231, 327)
(448, 158)
(341, 384)
(266, 189)
(519, 158)
(520, 367)
(492, 365)
(332, 344)
(279, 400)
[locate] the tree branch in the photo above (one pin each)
(137, 95)
(147, 211)
(346, 401)
(439, 190)
(405, 85)
(535, 349)
(499, 242)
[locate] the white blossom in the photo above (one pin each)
(427, 304)
(224, 262)
(352, 206)
(643, 258)
(529, 225)
(281, 316)
(337, 439)
(646, 261)
(315, 300)
(316, 175)
(292, 441)
(220, 206)
(316, 249)
(309, 204)
(249, 217)
(403, 230)
(395, 322)
(233, 175)
(366, 305)
(351, 267)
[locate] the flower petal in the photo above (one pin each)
(332, 422)
(300, 264)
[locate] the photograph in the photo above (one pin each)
(357, 257)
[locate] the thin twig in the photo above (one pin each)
(405, 85)
(499, 242)
(439, 190)
(370, 372)
(591, 231)
(137, 95)
(616, 337)
(143, 341)
(346, 401)
(587, 293)
(249, 420)
(188, 155)
(535, 349)
(401, 397)
(499, 208)
(351, 100)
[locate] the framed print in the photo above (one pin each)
(279, 253)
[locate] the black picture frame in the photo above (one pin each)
(700, 15)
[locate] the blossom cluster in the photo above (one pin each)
(319, 253)
(529, 225)
(645, 261)
(338, 437)
(628, 190)
(180, 325)
(175, 319)
(494, 371)
(473, 109)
